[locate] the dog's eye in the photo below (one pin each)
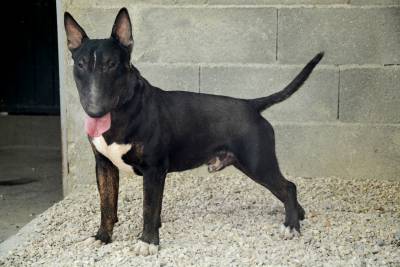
(80, 64)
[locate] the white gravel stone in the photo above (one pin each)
(224, 220)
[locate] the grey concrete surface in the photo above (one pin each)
(339, 149)
(348, 35)
(277, 2)
(171, 77)
(375, 2)
(370, 95)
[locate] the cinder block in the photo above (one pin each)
(375, 2)
(191, 2)
(171, 77)
(239, 35)
(276, 2)
(370, 95)
(348, 35)
(122, 3)
(315, 101)
(347, 150)
(126, 3)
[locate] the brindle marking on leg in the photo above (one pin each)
(220, 161)
(107, 181)
(107, 177)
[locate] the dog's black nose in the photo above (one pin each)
(95, 112)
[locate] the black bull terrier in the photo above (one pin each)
(136, 127)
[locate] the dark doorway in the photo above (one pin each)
(30, 53)
(30, 136)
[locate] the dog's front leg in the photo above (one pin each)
(107, 182)
(153, 187)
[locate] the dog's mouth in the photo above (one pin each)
(97, 126)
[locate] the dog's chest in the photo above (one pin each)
(113, 152)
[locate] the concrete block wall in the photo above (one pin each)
(345, 121)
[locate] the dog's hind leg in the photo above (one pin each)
(257, 159)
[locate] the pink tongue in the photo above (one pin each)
(97, 126)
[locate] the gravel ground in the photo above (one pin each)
(226, 220)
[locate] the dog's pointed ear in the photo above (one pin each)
(122, 29)
(75, 34)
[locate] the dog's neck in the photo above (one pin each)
(132, 104)
(130, 114)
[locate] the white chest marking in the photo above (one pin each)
(113, 152)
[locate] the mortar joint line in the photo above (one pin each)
(277, 34)
(338, 102)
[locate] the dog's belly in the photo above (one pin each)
(113, 152)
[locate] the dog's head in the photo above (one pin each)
(102, 68)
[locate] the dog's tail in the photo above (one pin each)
(263, 103)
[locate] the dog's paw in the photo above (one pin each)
(144, 249)
(288, 233)
(103, 236)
